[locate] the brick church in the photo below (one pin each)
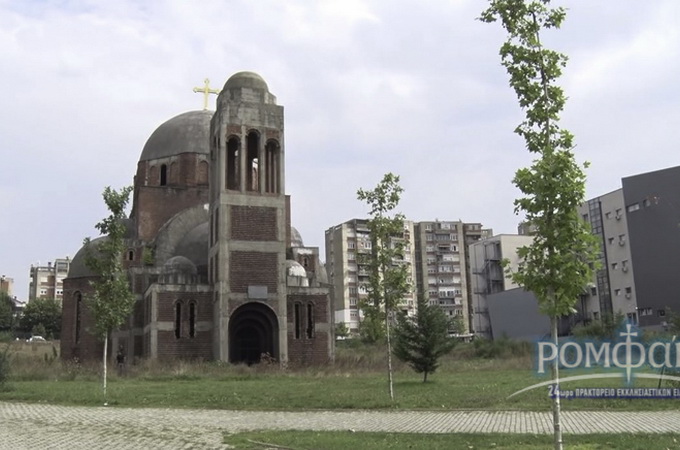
(217, 270)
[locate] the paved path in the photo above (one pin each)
(30, 426)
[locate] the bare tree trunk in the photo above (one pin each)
(557, 426)
(106, 344)
(389, 354)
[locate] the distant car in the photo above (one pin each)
(35, 339)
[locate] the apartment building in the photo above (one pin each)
(347, 244)
(47, 281)
(6, 285)
(437, 252)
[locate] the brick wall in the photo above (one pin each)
(199, 346)
(304, 350)
(253, 223)
(155, 205)
(253, 268)
(88, 347)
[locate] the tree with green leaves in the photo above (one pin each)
(555, 267)
(420, 340)
(42, 315)
(6, 311)
(111, 300)
(388, 280)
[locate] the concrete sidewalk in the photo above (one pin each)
(31, 426)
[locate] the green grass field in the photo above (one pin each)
(356, 381)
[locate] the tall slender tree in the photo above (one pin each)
(111, 301)
(389, 274)
(557, 266)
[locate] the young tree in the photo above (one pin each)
(388, 277)
(556, 265)
(111, 301)
(420, 340)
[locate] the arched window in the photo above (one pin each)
(178, 320)
(131, 255)
(252, 163)
(233, 164)
(164, 175)
(272, 155)
(203, 169)
(192, 319)
(309, 330)
(298, 320)
(79, 311)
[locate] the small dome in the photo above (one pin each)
(295, 269)
(246, 80)
(78, 268)
(186, 133)
(179, 264)
(194, 245)
(295, 238)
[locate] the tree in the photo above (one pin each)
(388, 279)
(6, 311)
(111, 301)
(42, 314)
(341, 330)
(555, 267)
(422, 339)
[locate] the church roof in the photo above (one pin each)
(186, 133)
(78, 268)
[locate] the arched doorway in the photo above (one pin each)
(253, 330)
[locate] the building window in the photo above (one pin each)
(351, 256)
(615, 266)
(252, 163)
(593, 291)
(617, 292)
(350, 244)
(131, 255)
(232, 166)
(272, 152)
(79, 307)
(192, 319)
(164, 175)
(178, 320)
(310, 321)
(298, 322)
(633, 207)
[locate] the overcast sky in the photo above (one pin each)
(412, 87)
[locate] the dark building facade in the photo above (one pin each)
(652, 204)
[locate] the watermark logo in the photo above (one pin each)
(627, 353)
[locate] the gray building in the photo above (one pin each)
(652, 210)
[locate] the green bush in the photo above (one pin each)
(4, 367)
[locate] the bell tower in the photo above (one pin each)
(247, 257)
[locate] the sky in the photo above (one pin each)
(413, 87)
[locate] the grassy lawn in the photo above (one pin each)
(356, 381)
(344, 440)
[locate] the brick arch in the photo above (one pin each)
(253, 331)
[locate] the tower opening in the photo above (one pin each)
(252, 162)
(272, 163)
(232, 175)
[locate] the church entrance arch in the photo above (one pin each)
(253, 331)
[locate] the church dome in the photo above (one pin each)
(295, 238)
(246, 80)
(179, 264)
(295, 269)
(78, 268)
(186, 133)
(194, 245)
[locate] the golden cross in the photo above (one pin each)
(206, 92)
